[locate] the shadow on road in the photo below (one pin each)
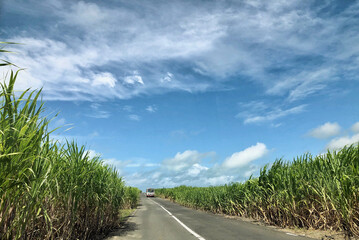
(126, 227)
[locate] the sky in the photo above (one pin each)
(198, 93)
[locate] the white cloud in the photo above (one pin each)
(355, 127)
(276, 125)
(95, 106)
(119, 165)
(97, 111)
(250, 39)
(167, 78)
(248, 173)
(146, 165)
(151, 108)
(133, 166)
(182, 134)
(62, 137)
(243, 158)
(133, 79)
(134, 117)
(254, 106)
(127, 108)
(196, 169)
(303, 84)
(338, 143)
(60, 122)
(105, 79)
(185, 160)
(179, 134)
(220, 180)
(326, 130)
(191, 168)
(84, 15)
(258, 112)
(93, 153)
(98, 114)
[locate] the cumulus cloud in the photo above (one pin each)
(194, 168)
(326, 130)
(184, 160)
(220, 180)
(329, 130)
(355, 127)
(92, 153)
(243, 158)
(341, 142)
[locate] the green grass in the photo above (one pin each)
(320, 192)
(50, 190)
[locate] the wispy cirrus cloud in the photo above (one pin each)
(63, 136)
(260, 112)
(304, 83)
(181, 134)
(97, 111)
(127, 108)
(125, 52)
(134, 117)
(151, 108)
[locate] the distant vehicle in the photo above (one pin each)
(150, 192)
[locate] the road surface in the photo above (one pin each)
(158, 219)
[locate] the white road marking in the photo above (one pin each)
(291, 234)
(183, 225)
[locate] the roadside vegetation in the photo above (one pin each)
(313, 192)
(48, 189)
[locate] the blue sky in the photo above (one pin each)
(192, 92)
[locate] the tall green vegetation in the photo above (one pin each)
(320, 192)
(50, 190)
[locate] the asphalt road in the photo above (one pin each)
(161, 219)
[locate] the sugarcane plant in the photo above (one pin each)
(48, 189)
(317, 192)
